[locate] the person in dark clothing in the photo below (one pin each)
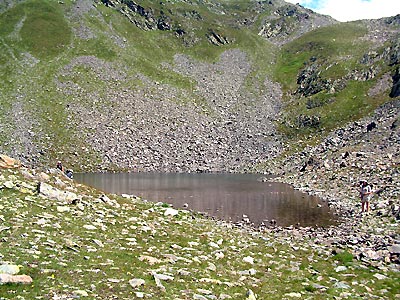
(60, 166)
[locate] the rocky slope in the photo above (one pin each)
(151, 129)
(96, 112)
(210, 87)
(368, 150)
(61, 240)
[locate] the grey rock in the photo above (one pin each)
(394, 249)
(56, 194)
(9, 269)
(199, 297)
(136, 282)
(341, 285)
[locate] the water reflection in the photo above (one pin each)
(225, 196)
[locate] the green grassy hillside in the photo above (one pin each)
(339, 52)
(62, 60)
(37, 41)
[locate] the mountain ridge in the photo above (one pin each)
(182, 86)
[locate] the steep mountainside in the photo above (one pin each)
(183, 85)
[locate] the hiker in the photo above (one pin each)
(365, 195)
(60, 166)
(69, 174)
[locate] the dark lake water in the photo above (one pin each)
(224, 196)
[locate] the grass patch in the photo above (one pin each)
(328, 44)
(99, 48)
(337, 51)
(38, 27)
(344, 257)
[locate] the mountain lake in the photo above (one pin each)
(230, 197)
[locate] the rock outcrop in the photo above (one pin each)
(289, 21)
(395, 92)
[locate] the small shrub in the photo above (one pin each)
(312, 103)
(344, 257)
(310, 288)
(308, 121)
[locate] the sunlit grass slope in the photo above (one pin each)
(38, 40)
(338, 50)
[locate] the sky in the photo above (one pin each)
(350, 10)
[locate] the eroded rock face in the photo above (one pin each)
(393, 20)
(308, 121)
(217, 39)
(288, 20)
(395, 92)
(391, 55)
(309, 81)
(394, 54)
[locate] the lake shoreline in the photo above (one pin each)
(350, 221)
(363, 233)
(370, 235)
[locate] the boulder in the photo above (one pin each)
(55, 194)
(136, 282)
(250, 295)
(394, 249)
(43, 177)
(7, 278)
(9, 269)
(371, 126)
(8, 162)
(163, 24)
(171, 212)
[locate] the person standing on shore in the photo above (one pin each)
(60, 166)
(365, 195)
